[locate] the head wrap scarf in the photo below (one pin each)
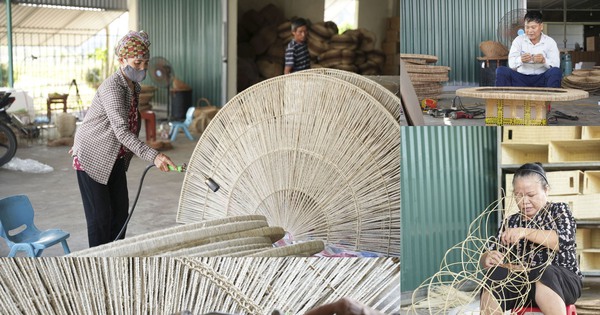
(134, 45)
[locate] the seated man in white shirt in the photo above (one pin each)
(533, 60)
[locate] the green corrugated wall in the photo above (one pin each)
(189, 34)
(448, 177)
(451, 30)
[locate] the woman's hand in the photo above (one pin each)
(513, 235)
(491, 259)
(162, 162)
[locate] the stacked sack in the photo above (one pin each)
(264, 35)
(353, 51)
(426, 79)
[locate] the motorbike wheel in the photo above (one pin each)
(8, 144)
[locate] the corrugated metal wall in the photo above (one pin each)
(189, 34)
(448, 178)
(451, 30)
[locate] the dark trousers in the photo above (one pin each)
(513, 289)
(106, 206)
(506, 76)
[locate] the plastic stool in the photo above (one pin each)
(176, 125)
(571, 310)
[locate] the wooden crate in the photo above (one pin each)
(583, 239)
(521, 153)
(582, 206)
(590, 132)
(590, 260)
(565, 151)
(561, 183)
(591, 182)
(539, 135)
(500, 112)
(595, 238)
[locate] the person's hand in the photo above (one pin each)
(511, 236)
(526, 58)
(344, 306)
(492, 258)
(539, 58)
(71, 151)
(162, 162)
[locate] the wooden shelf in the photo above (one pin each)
(567, 149)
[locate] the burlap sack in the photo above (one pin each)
(65, 125)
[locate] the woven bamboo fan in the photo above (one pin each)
(312, 153)
(390, 101)
(59, 285)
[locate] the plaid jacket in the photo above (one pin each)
(105, 128)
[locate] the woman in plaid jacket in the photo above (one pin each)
(107, 140)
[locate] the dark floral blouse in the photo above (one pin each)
(554, 216)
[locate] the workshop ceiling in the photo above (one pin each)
(51, 26)
(577, 10)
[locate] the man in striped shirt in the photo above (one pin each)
(296, 53)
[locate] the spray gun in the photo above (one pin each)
(182, 169)
(207, 180)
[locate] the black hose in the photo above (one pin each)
(137, 196)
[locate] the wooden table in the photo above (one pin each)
(519, 105)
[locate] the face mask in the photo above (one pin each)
(134, 75)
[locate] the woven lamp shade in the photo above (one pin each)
(314, 154)
(156, 285)
(390, 101)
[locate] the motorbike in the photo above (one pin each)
(8, 123)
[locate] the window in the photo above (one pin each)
(343, 12)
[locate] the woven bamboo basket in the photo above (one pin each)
(390, 101)
(493, 49)
(314, 154)
(59, 285)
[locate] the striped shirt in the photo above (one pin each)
(296, 56)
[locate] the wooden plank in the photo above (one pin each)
(409, 100)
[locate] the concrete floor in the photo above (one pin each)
(57, 203)
(587, 110)
(590, 294)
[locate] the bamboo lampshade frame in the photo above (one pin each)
(312, 153)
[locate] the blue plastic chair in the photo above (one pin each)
(16, 212)
(176, 125)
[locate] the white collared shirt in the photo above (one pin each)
(546, 46)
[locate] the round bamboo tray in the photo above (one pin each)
(427, 69)
(523, 93)
(415, 61)
(426, 58)
(420, 77)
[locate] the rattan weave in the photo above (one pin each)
(313, 153)
(158, 285)
(390, 101)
